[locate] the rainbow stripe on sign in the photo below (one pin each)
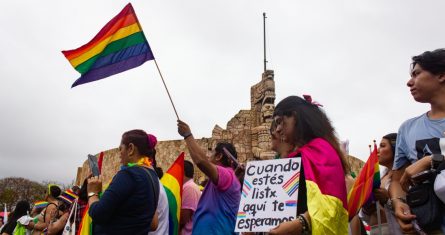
(291, 203)
(291, 186)
(241, 215)
(246, 188)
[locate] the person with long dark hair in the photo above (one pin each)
(389, 225)
(322, 198)
(22, 208)
(128, 205)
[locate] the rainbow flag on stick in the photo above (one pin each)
(172, 182)
(369, 179)
(86, 224)
(40, 204)
(119, 46)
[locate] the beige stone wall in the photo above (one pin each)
(167, 152)
(355, 164)
(248, 131)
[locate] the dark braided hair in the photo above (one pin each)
(145, 143)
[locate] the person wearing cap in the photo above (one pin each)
(128, 205)
(420, 137)
(217, 208)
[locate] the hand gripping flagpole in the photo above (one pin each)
(168, 93)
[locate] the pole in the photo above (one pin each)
(264, 39)
(379, 220)
(168, 93)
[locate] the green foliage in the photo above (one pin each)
(14, 189)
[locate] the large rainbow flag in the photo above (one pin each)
(172, 182)
(119, 46)
(86, 224)
(326, 187)
(369, 179)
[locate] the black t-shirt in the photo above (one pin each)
(9, 227)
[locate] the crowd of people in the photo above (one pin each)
(136, 203)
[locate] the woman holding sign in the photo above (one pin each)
(322, 207)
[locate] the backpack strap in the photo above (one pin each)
(44, 214)
(155, 189)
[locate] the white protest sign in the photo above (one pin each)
(269, 194)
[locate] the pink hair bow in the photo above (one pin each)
(308, 98)
(152, 141)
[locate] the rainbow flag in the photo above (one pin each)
(361, 191)
(326, 187)
(40, 204)
(68, 196)
(172, 182)
(119, 46)
(86, 224)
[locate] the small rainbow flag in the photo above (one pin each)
(369, 179)
(172, 182)
(68, 196)
(40, 204)
(241, 214)
(291, 185)
(291, 203)
(246, 188)
(119, 46)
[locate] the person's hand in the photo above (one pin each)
(404, 217)
(184, 129)
(381, 195)
(417, 167)
(240, 171)
(290, 227)
(94, 185)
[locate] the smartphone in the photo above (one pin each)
(92, 160)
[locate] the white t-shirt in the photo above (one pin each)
(163, 212)
(439, 186)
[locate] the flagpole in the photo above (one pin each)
(379, 220)
(168, 93)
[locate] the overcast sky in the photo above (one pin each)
(351, 56)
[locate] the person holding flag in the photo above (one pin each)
(128, 205)
(368, 212)
(218, 206)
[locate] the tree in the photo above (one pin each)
(14, 189)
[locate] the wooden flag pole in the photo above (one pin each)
(168, 93)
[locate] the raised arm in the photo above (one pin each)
(198, 155)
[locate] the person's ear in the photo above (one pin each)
(218, 156)
(131, 149)
(441, 78)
